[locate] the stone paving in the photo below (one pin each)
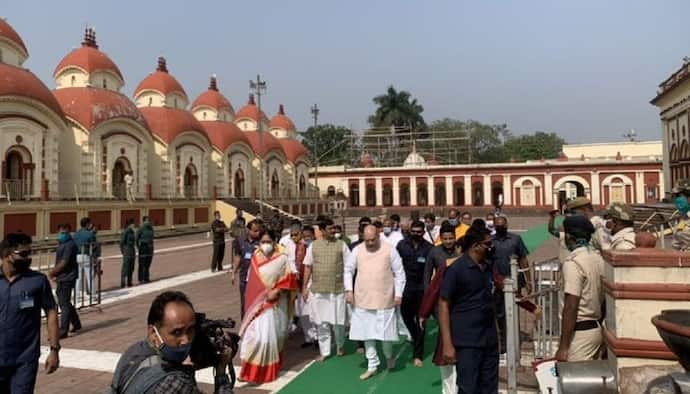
(113, 327)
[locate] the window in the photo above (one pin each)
(175, 103)
(204, 115)
(73, 80)
(105, 83)
(150, 101)
(331, 191)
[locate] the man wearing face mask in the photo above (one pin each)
(161, 362)
(581, 337)
(466, 316)
(431, 230)
(490, 217)
(243, 249)
(622, 231)
(127, 248)
(390, 236)
(23, 294)
(681, 232)
(460, 222)
(414, 251)
(65, 273)
(219, 229)
(324, 268)
(507, 245)
(340, 234)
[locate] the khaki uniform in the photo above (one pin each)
(582, 272)
(623, 240)
(681, 235)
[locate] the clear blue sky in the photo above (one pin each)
(585, 69)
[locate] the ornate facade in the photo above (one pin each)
(79, 140)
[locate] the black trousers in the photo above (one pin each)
(68, 313)
(218, 255)
(19, 379)
(477, 369)
(127, 270)
(145, 258)
(243, 287)
(411, 302)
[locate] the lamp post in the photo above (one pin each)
(258, 87)
(315, 114)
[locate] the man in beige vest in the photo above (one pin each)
(323, 278)
(377, 292)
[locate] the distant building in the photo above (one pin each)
(629, 172)
(673, 101)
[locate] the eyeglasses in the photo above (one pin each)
(23, 253)
(416, 232)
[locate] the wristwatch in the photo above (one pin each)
(55, 348)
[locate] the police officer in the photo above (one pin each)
(581, 336)
(218, 228)
(243, 249)
(681, 232)
(127, 248)
(23, 294)
(65, 273)
(621, 224)
(145, 237)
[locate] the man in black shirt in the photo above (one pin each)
(439, 254)
(218, 228)
(242, 250)
(65, 273)
(466, 316)
(413, 251)
(23, 294)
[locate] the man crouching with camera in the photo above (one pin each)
(174, 348)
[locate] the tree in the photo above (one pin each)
(486, 141)
(398, 109)
(328, 143)
(539, 145)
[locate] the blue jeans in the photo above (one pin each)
(18, 379)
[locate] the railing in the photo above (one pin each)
(15, 189)
(88, 286)
(546, 299)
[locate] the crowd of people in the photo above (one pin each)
(383, 285)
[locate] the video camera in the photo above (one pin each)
(212, 340)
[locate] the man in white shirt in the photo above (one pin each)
(376, 294)
(390, 236)
(431, 229)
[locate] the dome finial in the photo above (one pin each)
(89, 38)
(213, 84)
(251, 99)
(162, 65)
(281, 110)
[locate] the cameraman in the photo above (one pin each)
(161, 363)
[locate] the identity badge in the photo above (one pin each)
(27, 301)
(421, 259)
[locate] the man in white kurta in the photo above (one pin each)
(377, 292)
(323, 288)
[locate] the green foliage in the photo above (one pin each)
(329, 143)
(399, 109)
(535, 146)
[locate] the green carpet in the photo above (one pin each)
(340, 375)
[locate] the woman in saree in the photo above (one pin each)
(270, 295)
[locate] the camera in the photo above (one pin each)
(213, 338)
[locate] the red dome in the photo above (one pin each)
(212, 98)
(224, 134)
(91, 106)
(269, 143)
(293, 149)
(281, 121)
(168, 123)
(160, 81)
(15, 81)
(88, 58)
(8, 33)
(251, 111)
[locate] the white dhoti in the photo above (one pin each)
(303, 312)
(329, 312)
(374, 325)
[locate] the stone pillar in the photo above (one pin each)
(413, 191)
(548, 190)
(666, 170)
(45, 194)
(149, 192)
(662, 187)
(639, 188)
(431, 191)
(449, 190)
(379, 192)
(362, 193)
(396, 191)
(487, 190)
(468, 189)
(508, 191)
(596, 188)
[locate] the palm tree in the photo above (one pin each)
(397, 108)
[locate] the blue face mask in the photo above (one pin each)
(682, 204)
(453, 222)
(62, 237)
(173, 354)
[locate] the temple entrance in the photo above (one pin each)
(120, 169)
(568, 191)
(302, 186)
(191, 181)
(275, 185)
(14, 176)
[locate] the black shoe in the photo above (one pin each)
(76, 328)
(63, 336)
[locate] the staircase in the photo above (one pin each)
(253, 207)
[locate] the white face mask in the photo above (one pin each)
(267, 248)
(387, 230)
(338, 235)
(489, 223)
